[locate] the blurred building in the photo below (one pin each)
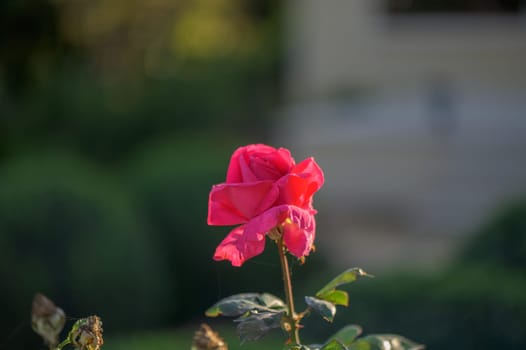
(416, 110)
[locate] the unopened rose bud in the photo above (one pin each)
(47, 320)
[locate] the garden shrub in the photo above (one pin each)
(478, 302)
(73, 107)
(68, 230)
(502, 242)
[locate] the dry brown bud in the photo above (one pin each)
(206, 339)
(47, 320)
(86, 334)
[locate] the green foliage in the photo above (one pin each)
(258, 313)
(326, 309)
(339, 297)
(345, 277)
(345, 339)
(347, 334)
(476, 303)
(30, 42)
(127, 242)
(69, 230)
(328, 297)
(336, 297)
(333, 344)
(240, 304)
(501, 242)
(254, 326)
(72, 108)
(385, 342)
(477, 306)
(325, 304)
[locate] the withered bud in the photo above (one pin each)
(206, 339)
(86, 334)
(47, 320)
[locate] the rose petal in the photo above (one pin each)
(258, 162)
(298, 187)
(270, 165)
(233, 204)
(238, 168)
(294, 190)
(309, 168)
(299, 231)
(267, 220)
(238, 247)
(298, 227)
(233, 174)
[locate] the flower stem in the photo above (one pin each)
(291, 314)
(63, 344)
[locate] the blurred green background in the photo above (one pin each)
(116, 118)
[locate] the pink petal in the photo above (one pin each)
(298, 227)
(233, 174)
(309, 168)
(246, 171)
(270, 165)
(232, 204)
(299, 187)
(238, 168)
(267, 220)
(294, 190)
(238, 247)
(299, 232)
(258, 162)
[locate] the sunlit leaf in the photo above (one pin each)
(272, 301)
(346, 277)
(255, 326)
(362, 345)
(326, 309)
(347, 334)
(333, 345)
(336, 296)
(239, 304)
(385, 342)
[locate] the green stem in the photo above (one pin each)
(292, 317)
(63, 344)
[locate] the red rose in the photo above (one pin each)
(265, 189)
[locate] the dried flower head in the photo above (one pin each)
(86, 334)
(206, 339)
(47, 320)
